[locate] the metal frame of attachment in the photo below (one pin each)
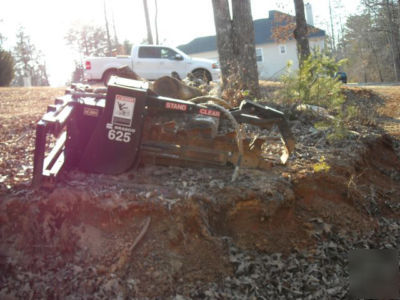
(66, 121)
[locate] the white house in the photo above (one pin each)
(272, 55)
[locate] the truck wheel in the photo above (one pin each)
(202, 74)
(108, 75)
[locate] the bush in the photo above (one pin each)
(315, 84)
(6, 68)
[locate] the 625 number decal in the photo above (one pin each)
(119, 136)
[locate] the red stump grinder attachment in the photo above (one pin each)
(111, 130)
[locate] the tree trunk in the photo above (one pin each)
(156, 21)
(223, 27)
(107, 31)
(146, 14)
(370, 41)
(375, 54)
(333, 42)
(394, 39)
(235, 43)
(301, 31)
(244, 42)
(115, 33)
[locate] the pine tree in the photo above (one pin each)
(6, 68)
(88, 40)
(6, 65)
(29, 62)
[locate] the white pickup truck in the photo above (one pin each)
(151, 63)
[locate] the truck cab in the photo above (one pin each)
(152, 62)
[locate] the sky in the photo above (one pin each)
(179, 21)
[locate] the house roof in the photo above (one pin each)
(263, 31)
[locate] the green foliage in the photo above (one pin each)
(6, 68)
(246, 93)
(6, 64)
(353, 113)
(314, 83)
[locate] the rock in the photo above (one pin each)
(26, 289)
(243, 268)
(76, 269)
(111, 286)
(179, 297)
(216, 183)
(334, 291)
(320, 111)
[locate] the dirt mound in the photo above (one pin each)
(68, 236)
(355, 189)
(166, 231)
(365, 103)
(81, 235)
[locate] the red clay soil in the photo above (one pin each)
(77, 240)
(341, 195)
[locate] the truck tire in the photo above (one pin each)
(107, 75)
(202, 74)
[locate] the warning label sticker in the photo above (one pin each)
(176, 106)
(91, 112)
(210, 112)
(123, 110)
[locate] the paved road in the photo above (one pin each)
(361, 84)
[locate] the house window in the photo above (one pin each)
(259, 55)
(282, 49)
